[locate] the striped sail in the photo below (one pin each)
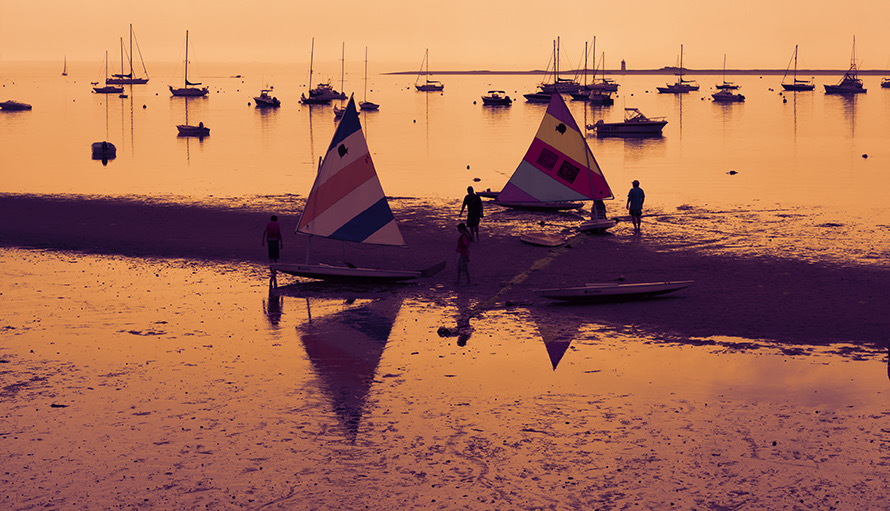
(558, 165)
(347, 202)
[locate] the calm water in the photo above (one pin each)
(799, 163)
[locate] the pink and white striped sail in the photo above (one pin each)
(558, 165)
(347, 201)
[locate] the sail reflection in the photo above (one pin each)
(345, 349)
(557, 337)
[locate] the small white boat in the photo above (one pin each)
(600, 221)
(266, 99)
(635, 124)
(496, 98)
(352, 273)
(543, 239)
(190, 130)
(13, 105)
(355, 210)
(613, 291)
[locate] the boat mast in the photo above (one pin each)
(342, 66)
(131, 51)
(366, 76)
(186, 60)
(311, 58)
(122, 58)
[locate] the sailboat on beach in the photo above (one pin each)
(129, 78)
(190, 88)
(558, 169)
(796, 84)
(347, 204)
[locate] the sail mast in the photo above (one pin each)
(186, 59)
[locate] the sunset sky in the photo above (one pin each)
(461, 34)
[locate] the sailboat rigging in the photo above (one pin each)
(129, 78)
(190, 88)
(796, 84)
(365, 104)
(347, 203)
(428, 85)
(681, 86)
(107, 89)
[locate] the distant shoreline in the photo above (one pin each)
(662, 71)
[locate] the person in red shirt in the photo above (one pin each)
(272, 236)
(463, 252)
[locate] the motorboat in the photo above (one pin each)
(727, 96)
(885, 83)
(496, 98)
(13, 105)
(538, 97)
(190, 130)
(103, 150)
(266, 99)
(850, 83)
(635, 124)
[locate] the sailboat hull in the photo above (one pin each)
(126, 81)
(798, 86)
(188, 91)
(353, 274)
(611, 291)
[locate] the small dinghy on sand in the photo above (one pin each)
(613, 291)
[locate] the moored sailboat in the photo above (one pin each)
(796, 84)
(129, 78)
(347, 203)
(427, 85)
(558, 170)
(190, 88)
(107, 89)
(364, 104)
(681, 86)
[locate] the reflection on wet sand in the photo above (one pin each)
(345, 349)
(557, 337)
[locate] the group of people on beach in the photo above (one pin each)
(469, 231)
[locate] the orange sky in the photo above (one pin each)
(461, 34)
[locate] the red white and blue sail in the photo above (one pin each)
(347, 202)
(558, 165)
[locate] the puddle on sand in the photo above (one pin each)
(183, 385)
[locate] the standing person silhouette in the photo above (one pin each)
(473, 205)
(635, 199)
(463, 252)
(272, 236)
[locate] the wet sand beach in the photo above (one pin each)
(145, 363)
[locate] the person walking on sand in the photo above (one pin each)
(473, 205)
(272, 236)
(635, 198)
(463, 252)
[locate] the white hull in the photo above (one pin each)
(543, 239)
(606, 291)
(544, 206)
(598, 225)
(329, 272)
